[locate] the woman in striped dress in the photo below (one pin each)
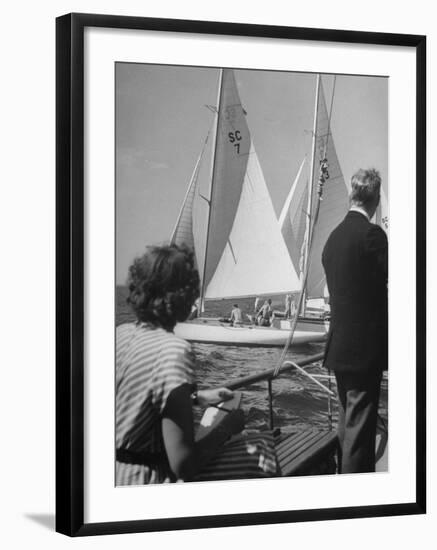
(155, 386)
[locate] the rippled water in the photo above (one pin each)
(298, 402)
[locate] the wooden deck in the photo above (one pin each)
(307, 452)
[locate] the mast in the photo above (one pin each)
(310, 193)
(214, 148)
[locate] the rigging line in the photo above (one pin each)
(205, 199)
(232, 251)
(310, 376)
(307, 242)
(299, 305)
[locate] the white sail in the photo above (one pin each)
(335, 202)
(333, 208)
(245, 253)
(292, 219)
(255, 259)
(232, 146)
(183, 231)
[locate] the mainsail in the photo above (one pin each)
(335, 201)
(245, 252)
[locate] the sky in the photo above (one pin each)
(162, 121)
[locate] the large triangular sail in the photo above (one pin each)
(230, 164)
(255, 259)
(245, 253)
(334, 204)
(183, 231)
(293, 217)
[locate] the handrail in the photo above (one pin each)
(269, 374)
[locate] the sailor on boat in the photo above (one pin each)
(290, 307)
(265, 315)
(195, 310)
(236, 319)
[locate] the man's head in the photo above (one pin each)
(366, 187)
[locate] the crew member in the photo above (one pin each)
(236, 316)
(265, 314)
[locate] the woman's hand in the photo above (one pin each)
(214, 396)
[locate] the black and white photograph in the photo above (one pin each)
(240, 274)
(251, 274)
(218, 265)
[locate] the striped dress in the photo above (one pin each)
(150, 363)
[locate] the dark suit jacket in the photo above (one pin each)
(355, 259)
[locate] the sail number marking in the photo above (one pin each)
(234, 138)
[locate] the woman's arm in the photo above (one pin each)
(213, 396)
(184, 454)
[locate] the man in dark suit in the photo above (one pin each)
(355, 259)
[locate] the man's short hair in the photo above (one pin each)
(366, 186)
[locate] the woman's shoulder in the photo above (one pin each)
(124, 330)
(161, 336)
(172, 340)
(142, 331)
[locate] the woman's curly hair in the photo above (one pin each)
(163, 285)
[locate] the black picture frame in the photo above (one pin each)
(70, 272)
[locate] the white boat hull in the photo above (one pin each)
(208, 333)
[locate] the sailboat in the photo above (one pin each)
(296, 220)
(244, 254)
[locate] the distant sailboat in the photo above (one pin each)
(245, 254)
(297, 217)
